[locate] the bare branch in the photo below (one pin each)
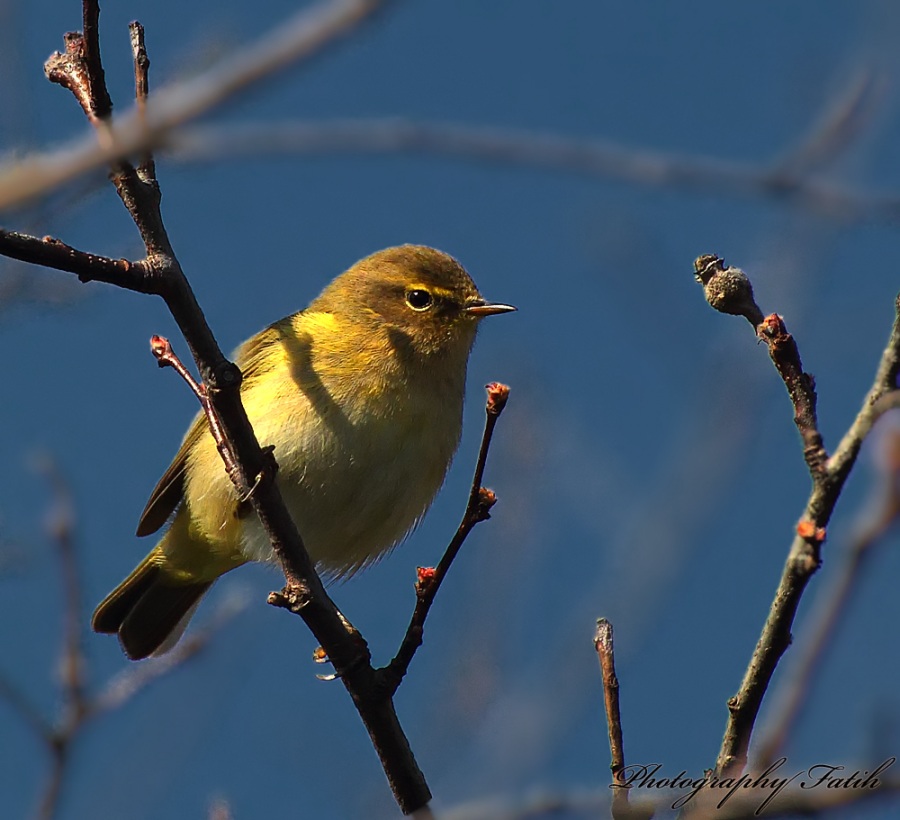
(729, 291)
(24, 708)
(498, 146)
(133, 680)
(603, 644)
(146, 168)
(61, 527)
(845, 118)
(831, 610)
(88, 267)
(430, 579)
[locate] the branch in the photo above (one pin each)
(603, 644)
(430, 579)
(729, 291)
(499, 146)
(78, 707)
(782, 179)
(831, 611)
(165, 357)
(123, 688)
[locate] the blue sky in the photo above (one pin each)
(647, 466)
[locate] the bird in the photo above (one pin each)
(361, 395)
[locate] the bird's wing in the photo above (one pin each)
(169, 491)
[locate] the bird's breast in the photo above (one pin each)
(360, 459)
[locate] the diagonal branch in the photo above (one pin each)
(728, 290)
(430, 579)
(831, 610)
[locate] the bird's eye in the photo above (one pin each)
(419, 299)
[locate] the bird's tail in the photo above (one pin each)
(150, 609)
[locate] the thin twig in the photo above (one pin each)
(603, 644)
(24, 708)
(61, 527)
(801, 388)
(728, 290)
(133, 680)
(843, 120)
(78, 706)
(430, 579)
(146, 167)
(165, 357)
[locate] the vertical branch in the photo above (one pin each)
(146, 167)
(603, 644)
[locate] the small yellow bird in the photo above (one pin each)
(362, 395)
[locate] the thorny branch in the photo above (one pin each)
(729, 291)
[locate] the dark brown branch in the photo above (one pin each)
(299, 596)
(101, 104)
(729, 291)
(88, 267)
(831, 611)
(430, 579)
(603, 644)
(801, 388)
(146, 167)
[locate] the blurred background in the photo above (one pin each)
(647, 466)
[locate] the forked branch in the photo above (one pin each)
(729, 291)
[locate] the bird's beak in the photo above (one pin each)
(479, 308)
